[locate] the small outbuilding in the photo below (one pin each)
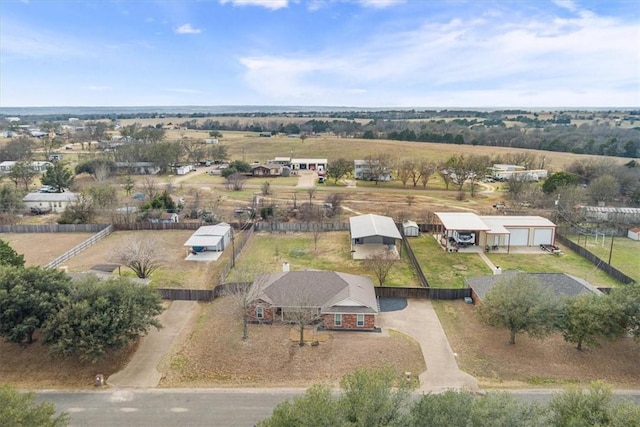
(208, 242)
(634, 233)
(372, 234)
(410, 229)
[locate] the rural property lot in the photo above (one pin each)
(485, 353)
(212, 354)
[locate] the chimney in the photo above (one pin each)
(285, 266)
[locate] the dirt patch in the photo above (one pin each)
(484, 352)
(41, 248)
(214, 354)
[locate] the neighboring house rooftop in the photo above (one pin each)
(373, 225)
(331, 291)
(49, 197)
(561, 284)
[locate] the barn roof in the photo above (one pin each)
(373, 225)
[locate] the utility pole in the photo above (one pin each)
(611, 249)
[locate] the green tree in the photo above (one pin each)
(19, 409)
(520, 304)
(99, 169)
(369, 398)
(628, 299)
(588, 317)
(339, 169)
(162, 202)
(100, 316)
(559, 179)
(10, 199)
(23, 173)
(317, 408)
(374, 397)
(451, 409)
(58, 177)
(8, 255)
(28, 297)
(574, 407)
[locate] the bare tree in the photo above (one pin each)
(311, 192)
(244, 295)
(406, 170)
(302, 312)
(427, 169)
(236, 181)
(142, 254)
(265, 188)
(150, 187)
(380, 264)
(333, 204)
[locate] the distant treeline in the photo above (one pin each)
(549, 131)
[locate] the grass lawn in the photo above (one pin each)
(569, 262)
(625, 256)
(266, 252)
(445, 269)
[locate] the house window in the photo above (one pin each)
(337, 319)
(360, 320)
(260, 312)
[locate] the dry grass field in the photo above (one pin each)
(40, 248)
(213, 354)
(485, 352)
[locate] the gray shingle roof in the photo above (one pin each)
(561, 284)
(329, 290)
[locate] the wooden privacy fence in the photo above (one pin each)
(81, 247)
(187, 294)
(414, 261)
(53, 228)
(290, 227)
(145, 225)
(422, 293)
(237, 246)
(599, 263)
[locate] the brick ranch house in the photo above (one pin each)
(340, 301)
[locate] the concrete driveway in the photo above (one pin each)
(141, 370)
(419, 321)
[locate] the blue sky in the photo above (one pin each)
(360, 53)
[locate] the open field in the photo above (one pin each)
(625, 256)
(212, 354)
(485, 352)
(266, 252)
(41, 248)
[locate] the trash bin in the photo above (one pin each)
(99, 380)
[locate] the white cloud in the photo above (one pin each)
(187, 29)
(380, 4)
(269, 4)
(181, 90)
(96, 88)
(21, 40)
(565, 61)
(566, 4)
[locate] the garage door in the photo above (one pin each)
(519, 236)
(542, 236)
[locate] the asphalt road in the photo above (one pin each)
(193, 408)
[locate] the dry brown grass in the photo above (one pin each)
(214, 355)
(40, 248)
(31, 367)
(485, 352)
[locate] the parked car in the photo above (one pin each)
(40, 210)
